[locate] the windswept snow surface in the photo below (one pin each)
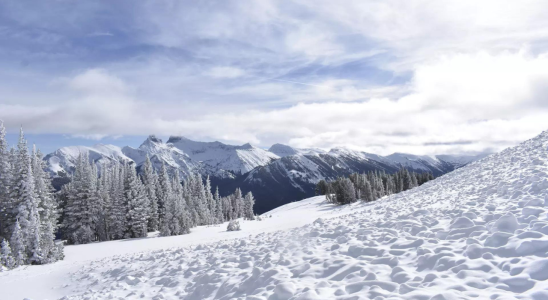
(478, 232)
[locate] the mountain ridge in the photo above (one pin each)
(276, 176)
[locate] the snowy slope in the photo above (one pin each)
(480, 232)
(294, 177)
(238, 159)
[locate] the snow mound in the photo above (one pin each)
(478, 232)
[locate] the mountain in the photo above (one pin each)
(236, 159)
(159, 152)
(294, 177)
(276, 176)
(62, 161)
(284, 150)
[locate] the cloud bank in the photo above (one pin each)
(425, 78)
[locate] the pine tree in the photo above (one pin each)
(6, 257)
(165, 199)
(26, 202)
(249, 201)
(150, 182)
(81, 212)
(103, 194)
(238, 204)
(227, 207)
(47, 207)
(137, 204)
(345, 192)
(219, 217)
(117, 224)
(18, 247)
(210, 203)
(7, 216)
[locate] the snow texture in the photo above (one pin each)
(478, 232)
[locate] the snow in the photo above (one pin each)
(478, 232)
(282, 150)
(239, 159)
(64, 158)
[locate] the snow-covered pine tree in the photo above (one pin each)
(6, 257)
(7, 216)
(47, 207)
(200, 201)
(150, 182)
(117, 224)
(26, 200)
(80, 215)
(227, 208)
(103, 194)
(179, 223)
(18, 247)
(345, 192)
(137, 204)
(166, 199)
(219, 217)
(249, 201)
(414, 181)
(237, 204)
(210, 202)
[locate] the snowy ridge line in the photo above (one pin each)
(479, 232)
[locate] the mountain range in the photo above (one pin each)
(276, 176)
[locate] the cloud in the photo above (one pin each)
(225, 72)
(382, 76)
(488, 101)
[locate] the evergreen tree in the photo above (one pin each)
(249, 201)
(165, 199)
(7, 216)
(47, 207)
(18, 247)
(210, 203)
(150, 182)
(6, 257)
(321, 187)
(81, 211)
(137, 204)
(103, 194)
(227, 208)
(237, 204)
(200, 201)
(219, 216)
(117, 213)
(26, 202)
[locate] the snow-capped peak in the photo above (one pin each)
(282, 150)
(238, 159)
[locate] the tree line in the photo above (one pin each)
(370, 186)
(28, 208)
(100, 203)
(117, 203)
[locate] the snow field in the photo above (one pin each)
(479, 232)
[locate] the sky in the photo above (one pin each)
(415, 76)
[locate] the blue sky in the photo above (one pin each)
(381, 76)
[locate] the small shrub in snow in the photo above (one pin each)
(233, 225)
(258, 218)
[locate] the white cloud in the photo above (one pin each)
(225, 72)
(418, 76)
(462, 103)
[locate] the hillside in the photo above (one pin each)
(478, 232)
